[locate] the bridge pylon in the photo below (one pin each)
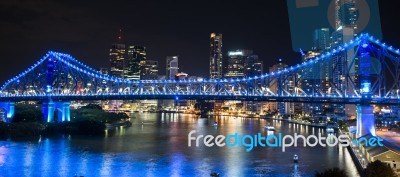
(62, 109)
(365, 114)
(9, 110)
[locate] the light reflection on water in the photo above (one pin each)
(158, 147)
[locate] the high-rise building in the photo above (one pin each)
(321, 39)
(216, 67)
(346, 14)
(135, 55)
(343, 63)
(235, 64)
(117, 59)
(279, 84)
(148, 70)
(253, 66)
(172, 67)
(311, 83)
(273, 87)
(322, 42)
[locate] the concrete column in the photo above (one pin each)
(48, 111)
(365, 121)
(65, 112)
(9, 108)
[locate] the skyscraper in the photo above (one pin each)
(117, 59)
(148, 70)
(235, 64)
(346, 28)
(346, 14)
(172, 67)
(274, 106)
(311, 82)
(216, 56)
(321, 39)
(136, 54)
(322, 42)
(253, 66)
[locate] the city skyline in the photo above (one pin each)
(193, 48)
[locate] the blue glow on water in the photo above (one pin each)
(159, 148)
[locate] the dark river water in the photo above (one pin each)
(159, 147)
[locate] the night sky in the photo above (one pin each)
(86, 30)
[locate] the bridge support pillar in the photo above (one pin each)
(65, 112)
(365, 120)
(9, 110)
(62, 108)
(48, 111)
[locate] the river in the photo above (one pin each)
(159, 147)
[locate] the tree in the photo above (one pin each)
(93, 106)
(343, 125)
(332, 172)
(379, 169)
(27, 113)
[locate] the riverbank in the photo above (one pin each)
(20, 130)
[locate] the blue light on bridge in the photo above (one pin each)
(48, 88)
(365, 87)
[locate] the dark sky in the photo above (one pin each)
(86, 29)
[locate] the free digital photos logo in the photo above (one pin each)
(278, 141)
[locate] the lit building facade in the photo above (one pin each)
(148, 70)
(117, 59)
(253, 67)
(321, 39)
(311, 83)
(235, 64)
(135, 55)
(216, 68)
(346, 29)
(275, 106)
(172, 67)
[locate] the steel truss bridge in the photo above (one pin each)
(362, 71)
(59, 76)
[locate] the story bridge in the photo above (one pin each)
(363, 71)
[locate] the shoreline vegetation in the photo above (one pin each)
(89, 120)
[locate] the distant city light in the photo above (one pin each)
(235, 53)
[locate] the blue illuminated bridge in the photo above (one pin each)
(370, 75)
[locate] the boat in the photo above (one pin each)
(215, 124)
(295, 158)
(270, 128)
